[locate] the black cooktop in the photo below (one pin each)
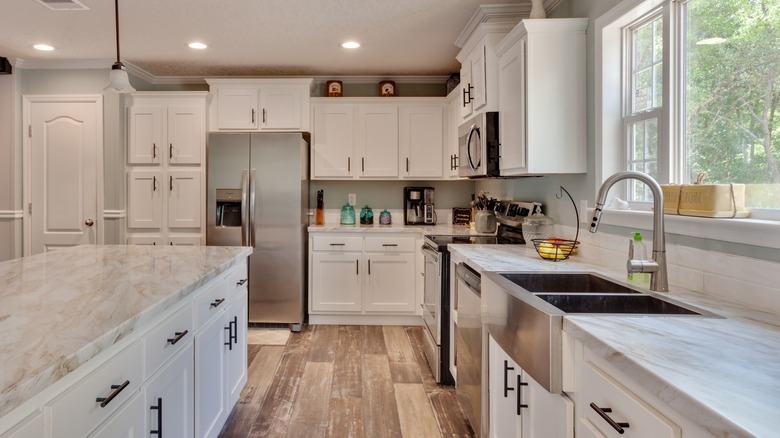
(441, 241)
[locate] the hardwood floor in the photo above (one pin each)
(345, 381)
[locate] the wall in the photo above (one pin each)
(10, 177)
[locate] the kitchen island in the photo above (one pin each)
(66, 312)
(705, 376)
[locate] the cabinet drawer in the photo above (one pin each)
(389, 244)
(210, 303)
(337, 243)
(599, 390)
(77, 412)
(238, 280)
(163, 341)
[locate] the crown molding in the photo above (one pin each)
(494, 14)
(439, 79)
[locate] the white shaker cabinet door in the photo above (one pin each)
(185, 134)
(336, 281)
(280, 108)
(237, 108)
(144, 198)
(184, 198)
(145, 143)
(333, 141)
(390, 282)
(128, 422)
(378, 140)
(170, 399)
(422, 141)
(210, 382)
(29, 428)
(236, 354)
(512, 109)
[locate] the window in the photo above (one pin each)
(700, 94)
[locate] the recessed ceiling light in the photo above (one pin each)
(43, 47)
(197, 46)
(711, 41)
(350, 45)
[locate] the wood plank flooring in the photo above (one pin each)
(345, 382)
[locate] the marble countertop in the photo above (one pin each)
(62, 308)
(720, 373)
(394, 228)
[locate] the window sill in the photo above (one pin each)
(764, 233)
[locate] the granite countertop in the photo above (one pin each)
(62, 308)
(720, 373)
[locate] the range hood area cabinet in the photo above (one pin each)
(259, 105)
(370, 138)
(166, 146)
(541, 75)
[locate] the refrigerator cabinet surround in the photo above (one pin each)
(258, 196)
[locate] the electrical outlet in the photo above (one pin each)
(352, 199)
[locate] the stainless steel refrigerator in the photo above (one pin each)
(258, 196)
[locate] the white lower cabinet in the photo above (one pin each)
(519, 406)
(176, 376)
(362, 274)
(210, 382)
(606, 408)
(169, 396)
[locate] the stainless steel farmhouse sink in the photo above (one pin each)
(524, 312)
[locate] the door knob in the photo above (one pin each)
(89, 222)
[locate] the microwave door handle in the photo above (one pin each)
(252, 196)
(474, 130)
(244, 222)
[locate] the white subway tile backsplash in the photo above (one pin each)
(687, 278)
(706, 261)
(757, 271)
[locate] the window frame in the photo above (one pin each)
(610, 154)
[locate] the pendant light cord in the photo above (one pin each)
(116, 15)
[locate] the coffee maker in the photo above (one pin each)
(418, 206)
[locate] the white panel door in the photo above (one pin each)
(128, 422)
(422, 141)
(512, 108)
(237, 108)
(144, 198)
(186, 137)
(236, 348)
(65, 139)
(378, 140)
(170, 399)
(280, 108)
(478, 77)
(210, 381)
(335, 282)
(332, 141)
(145, 135)
(184, 198)
(390, 282)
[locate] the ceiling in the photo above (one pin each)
(247, 37)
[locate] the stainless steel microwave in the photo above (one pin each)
(478, 146)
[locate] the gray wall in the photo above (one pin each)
(389, 194)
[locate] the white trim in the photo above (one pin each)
(358, 319)
(756, 232)
(114, 214)
(11, 214)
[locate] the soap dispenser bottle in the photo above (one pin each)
(638, 251)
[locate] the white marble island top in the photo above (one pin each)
(62, 308)
(720, 373)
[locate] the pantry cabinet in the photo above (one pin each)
(258, 105)
(542, 115)
(166, 140)
(369, 138)
(366, 278)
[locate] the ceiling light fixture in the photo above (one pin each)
(43, 47)
(711, 41)
(197, 46)
(118, 81)
(350, 45)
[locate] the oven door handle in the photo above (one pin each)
(430, 251)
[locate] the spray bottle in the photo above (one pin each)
(639, 253)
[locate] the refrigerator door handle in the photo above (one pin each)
(252, 181)
(244, 222)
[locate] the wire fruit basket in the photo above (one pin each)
(556, 249)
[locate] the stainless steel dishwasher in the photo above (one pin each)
(468, 348)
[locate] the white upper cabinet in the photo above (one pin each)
(260, 104)
(377, 138)
(186, 134)
(166, 128)
(542, 102)
(421, 144)
(144, 199)
(145, 135)
(454, 120)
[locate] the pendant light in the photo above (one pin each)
(118, 81)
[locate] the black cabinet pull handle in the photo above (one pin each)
(241, 282)
(154, 183)
(229, 329)
(104, 401)
(154, 150)
(520, 384)
(264, 116)
(363, 164)
(507, 369)
(357, 267)
(171, 183)
(349, 162)
(603, 414)
(253, 115)
(234, 336)
(369, 266)
(337, 244)
(389, 244)
(216, 303)
(178, 337)
(170, 151)
(158, 432)
(407, 164)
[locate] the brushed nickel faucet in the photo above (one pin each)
(657, 266)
